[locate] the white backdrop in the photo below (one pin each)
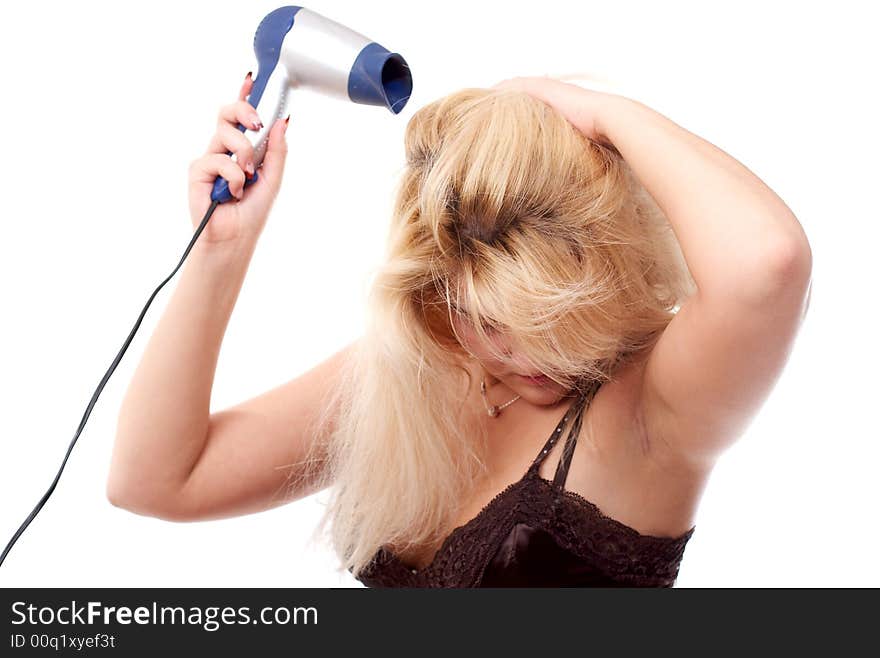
(106, 103)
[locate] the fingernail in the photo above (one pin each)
(249, 73)
(255, 121)
(250, 168)
(286, 121)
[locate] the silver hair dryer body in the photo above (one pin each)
(299, 48)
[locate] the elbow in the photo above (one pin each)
(792, 261)
(792, 271)
(783, 271)
(119, 489)
(114, 498)
(114, 492)
(124, 500)
(162, 509)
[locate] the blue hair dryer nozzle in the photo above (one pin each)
(296, 47)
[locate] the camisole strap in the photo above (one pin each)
(554, 436)
(570, 441)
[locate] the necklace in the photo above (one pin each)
(493, 410)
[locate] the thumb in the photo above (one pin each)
(272, 168)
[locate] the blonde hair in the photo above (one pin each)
(508, 213)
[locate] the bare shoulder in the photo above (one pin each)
(616, 465)
(673, 410)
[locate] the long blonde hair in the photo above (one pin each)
(506, 212)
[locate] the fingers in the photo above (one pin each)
(231, 139)
(239, 112)
(209, 166)
(246, 87)
(228, 138)
(272, 168)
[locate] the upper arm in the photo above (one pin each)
(254, 448)
(715, 364)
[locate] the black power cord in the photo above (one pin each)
(100, 388)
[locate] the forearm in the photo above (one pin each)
(736, 234)
(163, 421)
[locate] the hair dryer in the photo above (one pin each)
(296, 47)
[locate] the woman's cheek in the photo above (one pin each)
(482, 348)
(469, 338)
(490, 350)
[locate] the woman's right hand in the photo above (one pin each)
(243, 216)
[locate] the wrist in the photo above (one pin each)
(588, 109)
(612, 108)
(607, 109)
(221, 255)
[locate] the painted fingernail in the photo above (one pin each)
(249, 74)
(286, 121)
(249, 168)
(255, 122)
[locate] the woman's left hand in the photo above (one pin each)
(582, 107)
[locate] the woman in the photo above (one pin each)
(565, 269)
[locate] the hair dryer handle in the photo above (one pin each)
(270, 95)
(221, 193)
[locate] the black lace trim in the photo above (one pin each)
(623, 554)
(578, 525)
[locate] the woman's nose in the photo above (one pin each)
(519, 363)
(512, 359)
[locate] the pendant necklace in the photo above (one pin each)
(493, 410)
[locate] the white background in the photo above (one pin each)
(105, 104)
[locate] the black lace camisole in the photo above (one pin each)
(536, 533)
